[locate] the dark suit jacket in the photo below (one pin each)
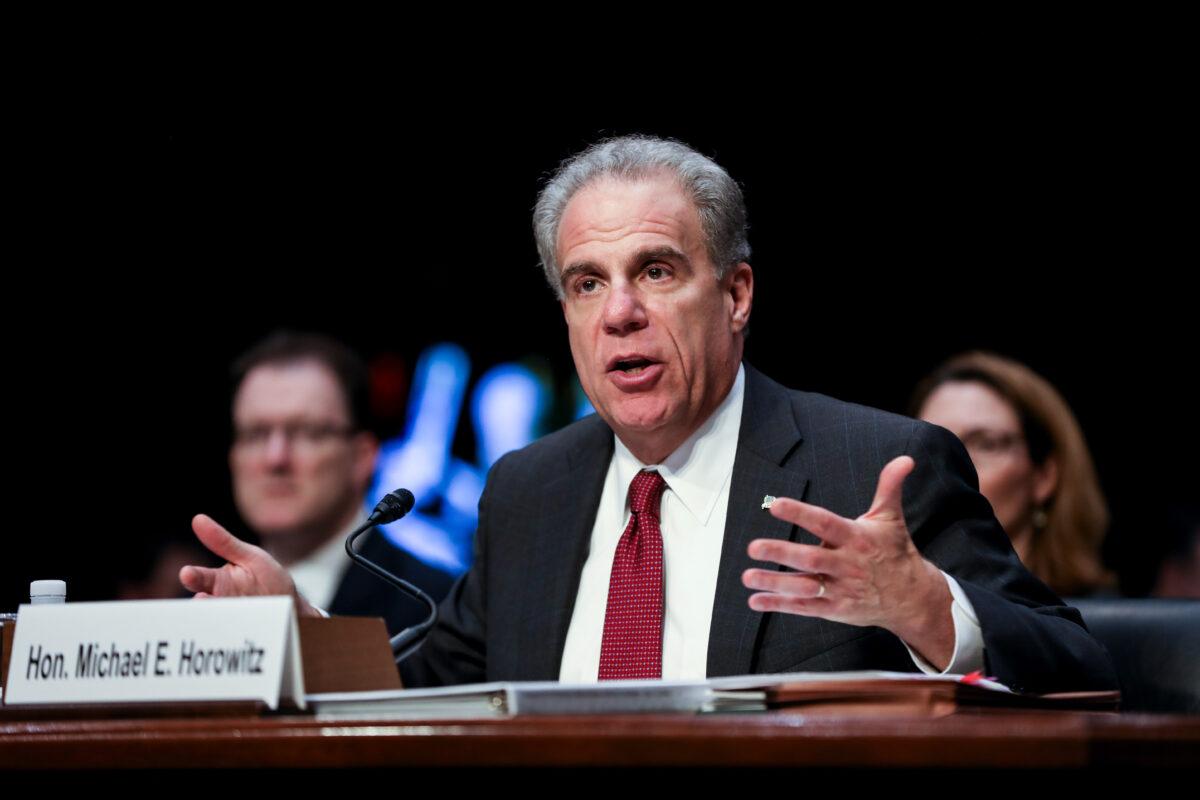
(361, 594)
(507, 618)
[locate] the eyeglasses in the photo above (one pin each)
(989, 447)
(298, 435)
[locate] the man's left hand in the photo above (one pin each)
(866, 571)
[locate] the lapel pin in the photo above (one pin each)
(767, 501)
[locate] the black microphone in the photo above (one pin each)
(391, 508)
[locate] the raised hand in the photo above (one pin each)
(249, 570)
(866, 571)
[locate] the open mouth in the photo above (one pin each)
(633, 366)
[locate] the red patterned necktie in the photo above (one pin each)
(632, 642)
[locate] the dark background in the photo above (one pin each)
(1043, 219)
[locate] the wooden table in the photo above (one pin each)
(975, 740)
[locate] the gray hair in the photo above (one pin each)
(717, 197)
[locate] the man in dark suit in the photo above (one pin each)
(623, 545)
(536, 517)
(301, 462)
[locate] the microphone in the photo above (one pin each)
(391, 508)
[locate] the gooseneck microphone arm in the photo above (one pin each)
(391, 508)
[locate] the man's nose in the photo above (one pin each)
(624, 311)
(278, 449)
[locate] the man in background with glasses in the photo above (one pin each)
(301, 461)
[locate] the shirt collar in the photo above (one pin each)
(698, 469)
(331, 555)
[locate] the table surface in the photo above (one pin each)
(969, 739)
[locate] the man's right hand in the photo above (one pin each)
(249, 571)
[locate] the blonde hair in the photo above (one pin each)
(1065, 552)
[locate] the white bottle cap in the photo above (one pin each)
(47, 592)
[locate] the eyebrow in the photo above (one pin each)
(662, 252)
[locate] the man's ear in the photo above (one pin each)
(366, 453)
(740, 288)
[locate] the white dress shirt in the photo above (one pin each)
(692, 515)
(318, 575)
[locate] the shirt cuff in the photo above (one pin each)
(968, 637)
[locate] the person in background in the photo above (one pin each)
(1033, 463)
(302, 459)
(1178, 571)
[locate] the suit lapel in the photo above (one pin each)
(768, 437)
(569, 507)
(355, 590)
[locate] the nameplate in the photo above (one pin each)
(243, 648)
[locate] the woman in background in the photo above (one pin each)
(1034, 466)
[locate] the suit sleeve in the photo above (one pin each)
(1033, 641)
(456, 649)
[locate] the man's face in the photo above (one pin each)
(655, 337)
(297, 466)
